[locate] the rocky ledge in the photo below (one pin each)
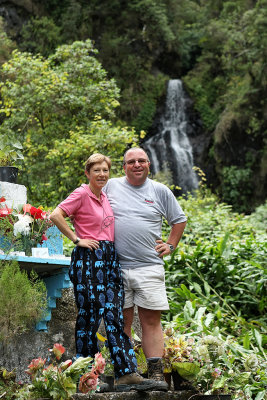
(133, 395)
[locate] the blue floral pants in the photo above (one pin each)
(98, 289)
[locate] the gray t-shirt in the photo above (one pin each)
(138, 212)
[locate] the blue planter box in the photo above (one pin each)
(54, 243)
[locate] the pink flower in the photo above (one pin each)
(58, 350)
(216, 373)
(88, 381)
(27, 208)
(99, 363)
(35, 365)
(65, 365)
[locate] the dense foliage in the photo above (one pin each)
(218, 48)
(217, 288)
(62, 110)
(222, 253)
(221, 265)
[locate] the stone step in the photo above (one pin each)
(134, 395)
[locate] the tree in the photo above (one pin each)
(63, 109)
(40, 35)
(6, 45)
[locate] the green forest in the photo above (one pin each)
(80, 77)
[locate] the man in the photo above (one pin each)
(139, 204)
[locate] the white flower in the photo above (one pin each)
(203, 350)
(251, 362)
(23, 224)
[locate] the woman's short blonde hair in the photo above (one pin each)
(96, 158)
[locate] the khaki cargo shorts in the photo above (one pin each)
(145, 287)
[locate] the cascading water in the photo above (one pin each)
(170, 148)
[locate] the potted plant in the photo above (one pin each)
(22, 229)
(10, 151)
(180, 360)
(52, 378)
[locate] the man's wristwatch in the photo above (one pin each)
(77, 240)
(171, 247)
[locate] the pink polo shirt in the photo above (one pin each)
(93, 219)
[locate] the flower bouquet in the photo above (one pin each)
(24, 228)
(57, 380)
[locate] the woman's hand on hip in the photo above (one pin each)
(89, 243)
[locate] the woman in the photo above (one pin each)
(96, 275)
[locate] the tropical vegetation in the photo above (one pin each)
(218, 49)
(217, 287)
(83, 77)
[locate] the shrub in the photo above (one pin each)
(236, 188)
(222, 260)
(22, 299)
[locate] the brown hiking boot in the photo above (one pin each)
(155, 370)
(134, 381)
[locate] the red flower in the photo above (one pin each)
(88, 381)
(44, 237)
(58, 350)
(5, 211)
(36, 213)
(2, 200)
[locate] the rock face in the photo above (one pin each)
(18, 353)
(15, 12)
(14, 194)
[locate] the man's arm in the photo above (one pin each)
(175, 235)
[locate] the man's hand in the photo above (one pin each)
(162, 248)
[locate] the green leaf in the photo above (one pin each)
(186, 369)
(208, 319)
(242, 378)
(219, 382)
(246, 341)
(258, 337)
(261, 395)
(207, 288)
(197, 287)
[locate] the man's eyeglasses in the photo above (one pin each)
(140, 161)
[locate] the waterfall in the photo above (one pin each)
(170, 148)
